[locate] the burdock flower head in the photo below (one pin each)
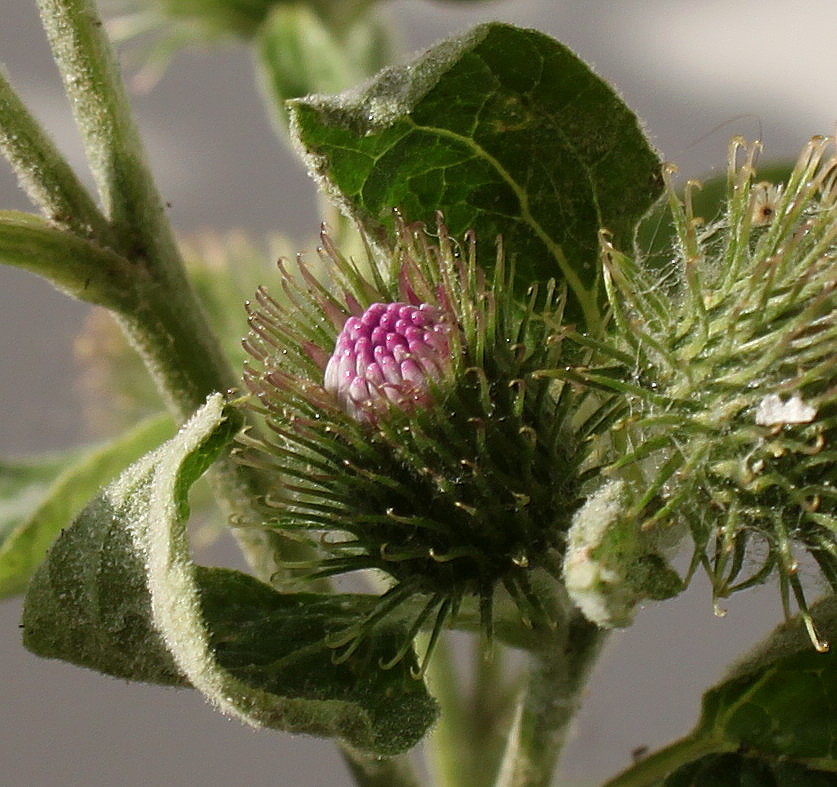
(389, 355)
(732, 380)
(411, 432)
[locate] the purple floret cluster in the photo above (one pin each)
(388, 356)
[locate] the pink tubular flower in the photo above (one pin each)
(389, 355)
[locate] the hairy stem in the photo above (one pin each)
(162, 315)
(93, 83)
(167, 326)
(42, 172)
(467, 742)
(551, 699)
(73, 264)
(444, 748)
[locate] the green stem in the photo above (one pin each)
(168, 326)
(452, 731)
(73, 264)
(162, 316)
(551, 699)
(43, 173)
(171, 334)
(466, 747)
(93, 84)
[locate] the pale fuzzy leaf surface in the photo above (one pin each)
(120, 594)
(507, 133)
(38, 499)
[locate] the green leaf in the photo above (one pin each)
(275, 643)
(38, 499)
(741, 770)
(777, 705)
(119, 593)
(507, 133)
(23, 485)
(781, 700)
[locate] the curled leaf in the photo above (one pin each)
(120, 594)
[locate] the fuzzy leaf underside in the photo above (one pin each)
(506, 132)
(772, 720)
(38, 499)
(118, 593)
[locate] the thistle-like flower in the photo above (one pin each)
(412, 433)
(732, 384)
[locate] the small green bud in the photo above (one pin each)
(611, 563)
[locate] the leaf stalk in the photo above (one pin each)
(551, 698)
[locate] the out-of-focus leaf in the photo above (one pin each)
(777, 706)
(119, 593)
(301, 51)
(38, 499)
(507, 133)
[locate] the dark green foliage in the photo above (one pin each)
(504, 131)
(770, 721)
(276, 642)
(740, 770)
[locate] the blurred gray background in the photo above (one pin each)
(697, 73)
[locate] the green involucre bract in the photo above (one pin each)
(471, 491)
(732, 384)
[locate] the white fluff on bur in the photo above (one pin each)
(772, 411)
